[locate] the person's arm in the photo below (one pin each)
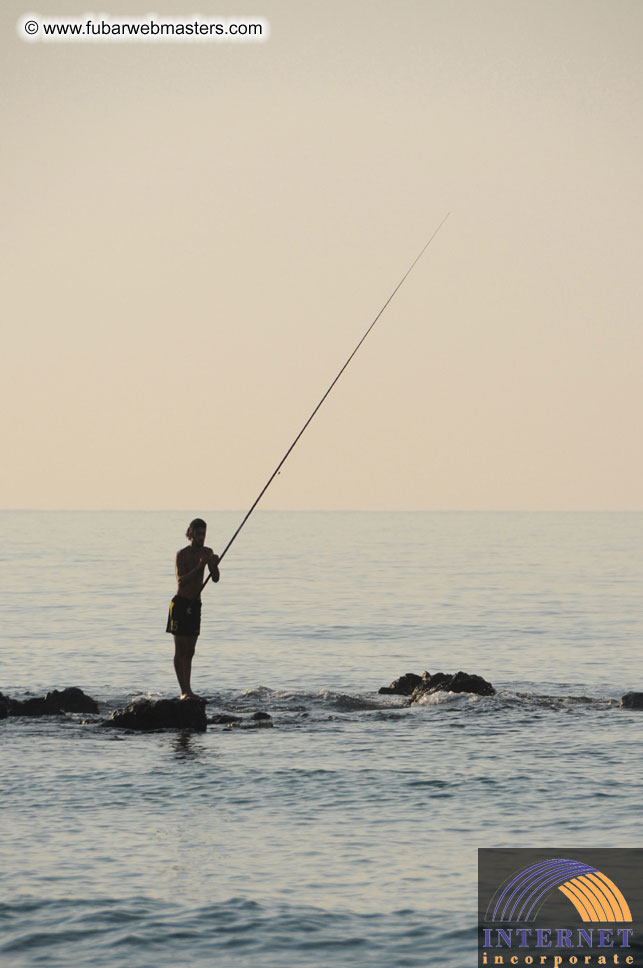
(213, 564)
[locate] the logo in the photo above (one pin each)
(595, 896)
(554, 909)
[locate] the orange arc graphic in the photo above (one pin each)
(596, 898)
(622, 905)
(580, 901)
(603, 911)
(605, 901)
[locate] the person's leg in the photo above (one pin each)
(189, 655)
(178, 661)
(184, 646)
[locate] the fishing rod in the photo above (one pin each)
(301, 432)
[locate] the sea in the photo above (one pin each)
(344, 831)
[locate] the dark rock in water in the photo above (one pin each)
(72, 700)
(223, 719)
(259, 716)
(418, 686)
(24, 707)
(148, 714)
(432, 682)
(632, 700)
(42, 706)
(55, 703)
(447, 682)
(403, 686)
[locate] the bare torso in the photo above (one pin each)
(190, 566)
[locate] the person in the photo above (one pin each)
(184, 618)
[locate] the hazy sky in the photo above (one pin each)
(196, 236)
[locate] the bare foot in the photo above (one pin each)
(192, 695)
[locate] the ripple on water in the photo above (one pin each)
(138, 932)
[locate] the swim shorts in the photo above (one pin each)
(184, 617)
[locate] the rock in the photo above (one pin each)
(418, 686)
(632, 700)
(55, 703)
(403, 686)
(149, 714)
(223, 719)
(4, 706)
(259, 716)
(447, 682)
(41, 706)
(73, 700)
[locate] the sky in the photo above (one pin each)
(196, 235)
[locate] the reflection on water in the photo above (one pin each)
(186, 745)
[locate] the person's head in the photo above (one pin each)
(196, 531)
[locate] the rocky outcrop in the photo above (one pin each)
(55, 703)
(458, 682)
(151, 714)
(418, 686)
(141, 714)
(632, 700)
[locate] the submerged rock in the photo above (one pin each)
(223, 719)
(55, 703)
(632, 700)
(403, 686)
(149, 714)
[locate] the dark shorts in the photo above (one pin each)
(184, 617)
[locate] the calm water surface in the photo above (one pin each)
(346, 834)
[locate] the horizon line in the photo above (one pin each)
(348, 510)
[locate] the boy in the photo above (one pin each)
(184, 619)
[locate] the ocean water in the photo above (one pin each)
(346, 834)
